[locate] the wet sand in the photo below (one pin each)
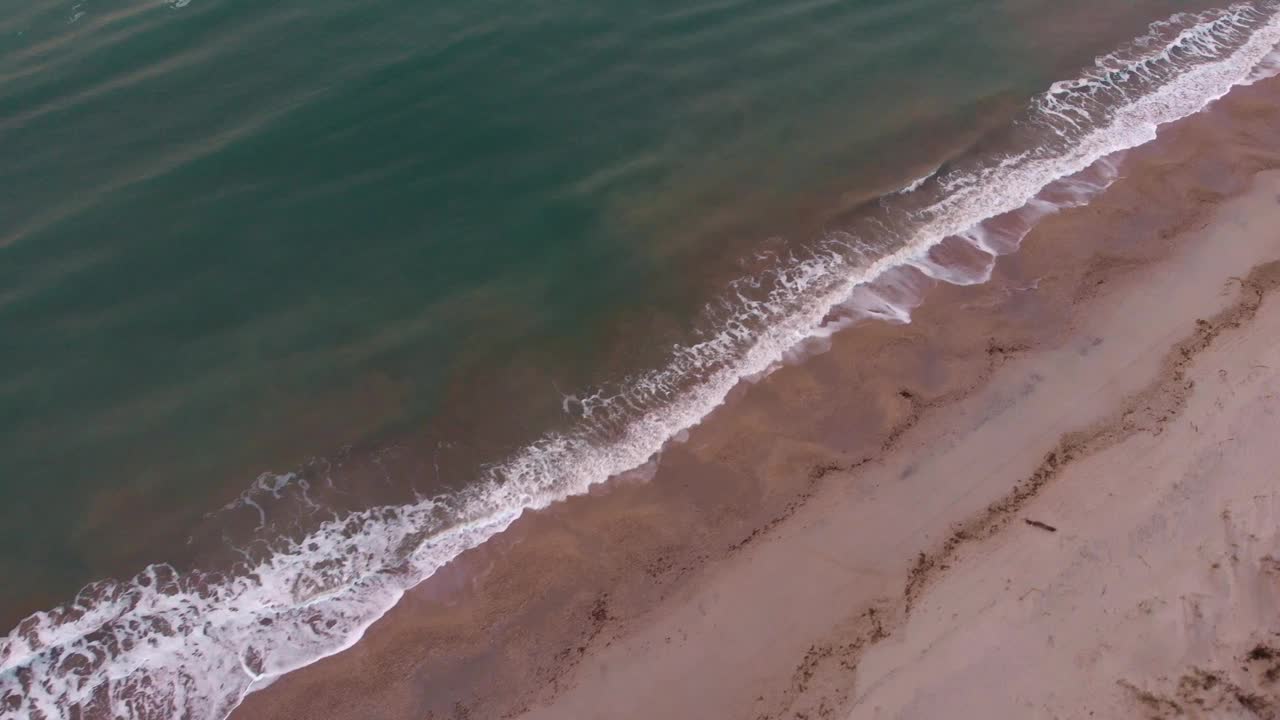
(848, 537)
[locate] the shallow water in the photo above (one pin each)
(451, 263)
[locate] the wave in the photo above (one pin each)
(166, 644)
(918, 183)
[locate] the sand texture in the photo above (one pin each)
(1147, 450)
(1052, 495)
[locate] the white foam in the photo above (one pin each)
(164, 645)
(918, 182)
(1269, 67)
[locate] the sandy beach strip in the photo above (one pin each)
(1050, 495)
(1143, 578)
(1107, 532)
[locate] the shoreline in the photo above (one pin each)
(526, 595)
(587, 642)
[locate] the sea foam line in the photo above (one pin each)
(167, 645)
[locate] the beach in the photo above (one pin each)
(632, 387)
(1051, 494)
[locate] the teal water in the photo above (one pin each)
(243, 237)
(235, 235)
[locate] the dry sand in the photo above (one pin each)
(1153, 440)
(1158, 595)
(849, 537)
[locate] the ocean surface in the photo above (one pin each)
(299, 300)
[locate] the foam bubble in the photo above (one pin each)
(171, 645)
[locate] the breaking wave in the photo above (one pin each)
(166, 644)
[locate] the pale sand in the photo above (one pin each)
(1159, 596)
(1147, 494)
(846, 538)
